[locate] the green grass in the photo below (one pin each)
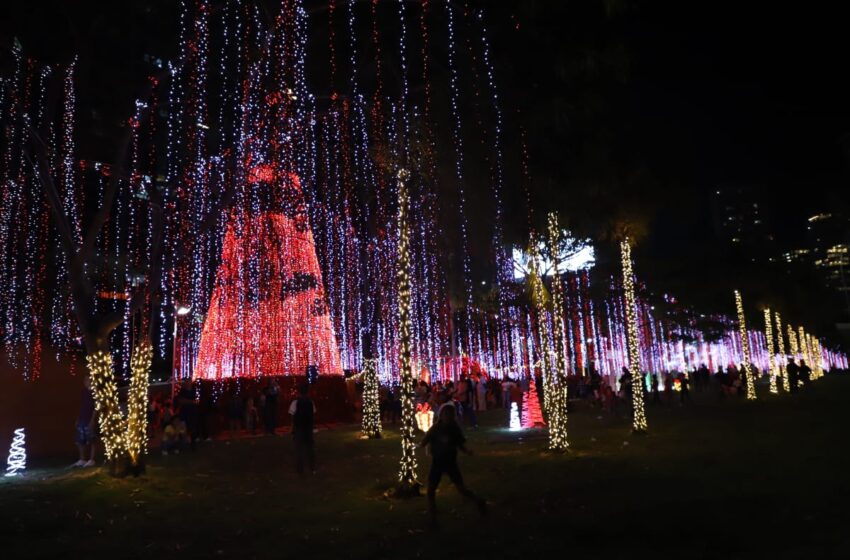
(712, 480)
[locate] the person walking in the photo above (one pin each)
(445, 438)
(303, 411)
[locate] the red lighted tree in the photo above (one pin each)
(532, 416)
(268, 314)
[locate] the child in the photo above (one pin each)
(445, 438)
(174, 435)
(251, 416)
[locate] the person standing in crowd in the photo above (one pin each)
(481, 393)
(805, 373)
(516, 397)
(252, 417)
(303, 411)
(793, 375)
(85, 437)
(445, 438)
(235, 412)
(684, 390)
(703, 377)
(626, 389)
(189, 410)
(270, 413)
(656, 395)
(466, 398)
(507, 384)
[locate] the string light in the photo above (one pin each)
(792, 343)
(532, 417)
(558, 414)
(745, 348)
(780, 338)
(515, 425)
(542, 327)
(407, 468)
(803, 346)
(639, 423)
(137, 400)
(424, 416)
(105, 393)
(16, 463)
(371, 421)
(768, 334)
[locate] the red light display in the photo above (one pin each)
(268, 314)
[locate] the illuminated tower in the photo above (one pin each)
(268, 314)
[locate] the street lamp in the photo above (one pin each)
(179, 311)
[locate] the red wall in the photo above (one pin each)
(46, 407)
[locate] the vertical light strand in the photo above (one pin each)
(783, 359)
(558, 421)
(639, 423)
(792, 343)
(105, 392)
(803, 346)
(407, 468)
(137, 399)
(371, 421)
(771, 357)
(539, 296)
(745, 348)
(459, 174)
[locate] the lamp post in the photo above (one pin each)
(179, 311)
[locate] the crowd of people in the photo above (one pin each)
(178, 421)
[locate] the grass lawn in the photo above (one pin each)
(716, 479)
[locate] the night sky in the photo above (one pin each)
(641, 104)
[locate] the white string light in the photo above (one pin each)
(17, 462)
(745, 348)
(639, 423)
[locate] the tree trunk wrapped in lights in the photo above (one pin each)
(558, 415)
(780, 339)
(803, 346)
(137, 402)
(771, 357)
(817, 356)
(792, 344)
(745, 348)
(371, 422)
(105, 392)
(539, 297)
(813, 354)
(408, 485)
(639, 423)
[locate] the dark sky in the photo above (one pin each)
(747, 93)
(715, 92)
